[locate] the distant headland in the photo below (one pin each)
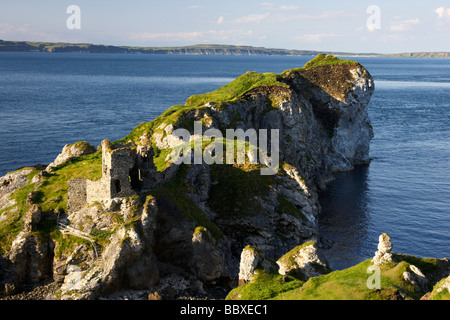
(198, 49)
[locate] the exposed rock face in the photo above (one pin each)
(8, 184)
(31, 258)
(253, 258)
(126, 264)
(70, 151)
(384, 250)
(33, 217)
(155, 219)
(12, 181)
(303, 261)
(209, 261)
(416, 277)
(442, 288)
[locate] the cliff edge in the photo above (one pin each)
(170, 207)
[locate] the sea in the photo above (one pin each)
(48, 100)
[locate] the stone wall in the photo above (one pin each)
(76, 195)
(96, 191)
(119, 172)
(119, 175)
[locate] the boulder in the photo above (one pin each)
(441, 290)
(416, 277)
(253, 258)
(127, 259)
(32, 217)
(31, 256)
(70, 151)
(208, 260)
(303, 262)
(13, 181)
(384, 250)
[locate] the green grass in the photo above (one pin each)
(238, 190)
(236, 88)
(326, 60)
(444, 294)
(347, 284)
(65, 244)
(52, 193)
(265, 286)
(13, 224)
(170, 116)
(175, 192)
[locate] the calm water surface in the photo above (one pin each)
(48, 100)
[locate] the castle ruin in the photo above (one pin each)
(125, 172)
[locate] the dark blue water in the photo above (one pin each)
(48, 100)
(405, 191)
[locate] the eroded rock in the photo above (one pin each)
(384, 253)
(70, 151)
(303, 261)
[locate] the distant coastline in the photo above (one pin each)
(199, 49)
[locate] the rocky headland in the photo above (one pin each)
(126, 217)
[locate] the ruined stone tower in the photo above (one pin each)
(120, 178)
(118, 165)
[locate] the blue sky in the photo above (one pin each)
(402, 26)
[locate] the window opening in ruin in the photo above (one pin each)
(134, 179)
(117, 185)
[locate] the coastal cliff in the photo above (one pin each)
(128, 216)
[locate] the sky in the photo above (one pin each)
(375, 26)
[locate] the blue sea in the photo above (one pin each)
(48, 100)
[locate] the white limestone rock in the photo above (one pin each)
(70, 151)
(383, 254)
(303, 261)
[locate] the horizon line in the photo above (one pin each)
(205, 45)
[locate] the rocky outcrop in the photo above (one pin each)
(30, 257)
(71, 151)
(441, 290)
(415, 276)
(8, 184)
(383, 254)
(303, 262)
(253, 258)
(193, 220)
(405, 277)
(208, 261)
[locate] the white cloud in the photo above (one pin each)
(316, 37)
(289, 7)
(404, 25)
(6, 28)
(19, 32)
(271, 6)
(325, 15)
(284, 17)
(442, 12)
(220, 20)
(267, 5)
(253, 18)
(197, 36)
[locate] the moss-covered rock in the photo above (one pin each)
(354, 283)
(71, 151)
(187, 213)
(303, 262)
(441, 290)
